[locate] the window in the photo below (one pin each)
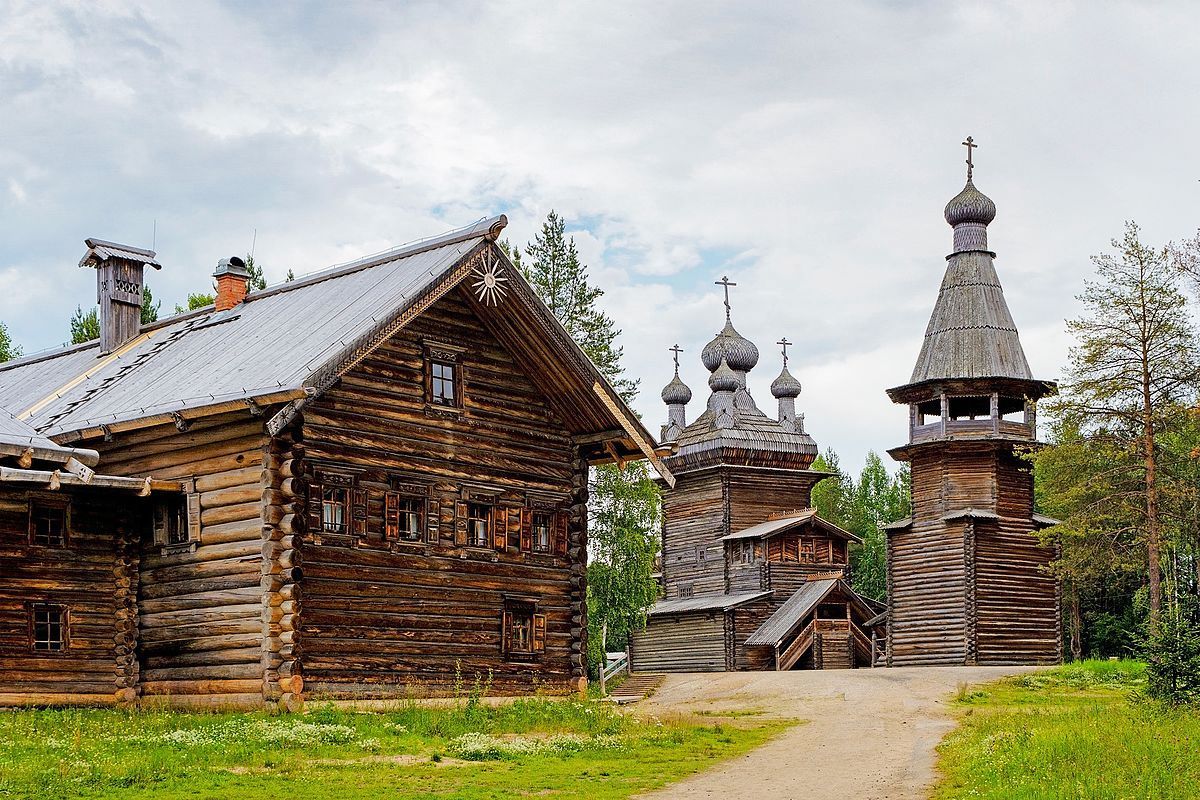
(334, 502)
(541, 533)
(410, 519)
(478, 518)
(47, 523)
(48, 628)
(177, 519)
(686, 590)
(402, 517)
(807, 550)
(442, 384)
(524, 631)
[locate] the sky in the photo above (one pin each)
(806, 150)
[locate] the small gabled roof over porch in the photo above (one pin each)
(788, 617)
(791, 522)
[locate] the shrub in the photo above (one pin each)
(1173, 659)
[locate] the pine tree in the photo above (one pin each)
(257, 281)
(1132, 372)
(8, 348)
(561, 280)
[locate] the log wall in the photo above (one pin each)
(680, 643)
(382, 618)
(695, 517)
(201, 611)
(91, 578)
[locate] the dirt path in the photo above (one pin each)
(870, 733)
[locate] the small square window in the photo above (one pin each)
(47, 523)
(48, 628)
(541, 533)
(524, 630)
(334, 503)
(443, 383)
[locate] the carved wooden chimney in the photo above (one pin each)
(119, 281)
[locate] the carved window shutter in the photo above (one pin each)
(560, 533)
(359, 513)
(193, 516)
(506, 631)
(433, 520)
(500, 528)
(391, 516)
(316, 494)
(526, 529)
(460, 524)
(539, 633)
(160, 523)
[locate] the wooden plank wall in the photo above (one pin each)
(91, 577)
(680, 643)
(755, 496)
(381, 618)
(694, 518)
(745, 620)
(201, 626)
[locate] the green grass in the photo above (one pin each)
(1078, 731)
(535, 747)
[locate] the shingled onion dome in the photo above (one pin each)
(676, 392)
(969, 213)
(786, 385)
(724, 379)
(737, 351)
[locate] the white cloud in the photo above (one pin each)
(806, 149)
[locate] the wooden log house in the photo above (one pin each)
(967, 578)
(381, 473)
(753, 578)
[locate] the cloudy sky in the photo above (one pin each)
(804, 149)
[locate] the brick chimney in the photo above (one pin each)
(232, 281)
(119, 281)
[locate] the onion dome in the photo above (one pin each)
(970, 205)
(724, 379)
(785, 385)
(731, 347)
(676, 392)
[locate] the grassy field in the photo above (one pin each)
(537, 747)
(1079, 731)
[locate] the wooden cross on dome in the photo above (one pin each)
(676, 350)
(970, 145)
(726, 283)
(784, 342)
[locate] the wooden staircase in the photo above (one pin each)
(638, 686)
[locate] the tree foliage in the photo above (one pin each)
(863, 507)
(8, 348)
(1131, 376)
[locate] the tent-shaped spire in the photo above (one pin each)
(971, 333)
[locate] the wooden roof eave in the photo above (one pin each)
(923, 390)
(56, 479)
(57, 455)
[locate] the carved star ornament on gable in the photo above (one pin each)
(490, 281)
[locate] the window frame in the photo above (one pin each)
(522, 614)
(327, 503)
(535, 546)
(58, 504)
(63, 624)
(447, 357)
(488, 510)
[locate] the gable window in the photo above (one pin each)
(443, 387)
(807, 550)
(177, 519)
(48, 628)
(47, 523)
(479, 518)
(541, 532)
(524, 630)
(335, 501)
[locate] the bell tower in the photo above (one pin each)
(966, 575)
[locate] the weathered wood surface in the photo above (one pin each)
(681, 643)
(201, 626)
(382, 618)
(93, 577)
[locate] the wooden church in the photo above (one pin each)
(753, 578)
(363, 483)
(967, 579)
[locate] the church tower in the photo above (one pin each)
(966, 574)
